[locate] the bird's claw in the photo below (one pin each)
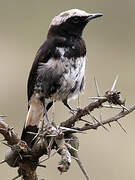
(74, 111)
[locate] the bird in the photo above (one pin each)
(58, 70)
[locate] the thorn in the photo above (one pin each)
(46, 115)
(44, 160)
(11, 128)
(51, 135)
(75, 158)
(10, 132)
(49, 147)
(99, 123)
(101, 97)
(121, 126)
(7, 144)
(85, 121)
(109, 124)
(77, 131)
(114, 84)
(20, 156)
(15, 161)
(41, 130)
(70, 129)
(82, 168)
(16, 177)
(53, 111)
(32, 133)
(3, 161)
(124, 107)
(37, 134)
(41, 165)
(51, 142)
(97, 88)
(71, 147)
(110, 106)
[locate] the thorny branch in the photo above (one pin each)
(60, 137)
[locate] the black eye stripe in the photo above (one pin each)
(75, 19)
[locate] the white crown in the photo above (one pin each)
(62, 17)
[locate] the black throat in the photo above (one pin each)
(74, 45)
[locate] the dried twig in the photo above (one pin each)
(9, 134)
(55, 137)
(106, 121)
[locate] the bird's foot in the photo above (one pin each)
(74, 111)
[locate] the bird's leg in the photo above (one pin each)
(53, 112)
(73, 111)
(45, 111)
(78, 101)
(41, 127)
(49, 105)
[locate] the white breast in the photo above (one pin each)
(72, 78)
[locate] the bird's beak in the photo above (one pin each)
(93, 16)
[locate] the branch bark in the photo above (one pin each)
(83, 112)
(54, 137)
(118, 116)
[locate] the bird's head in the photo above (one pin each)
(71, 23)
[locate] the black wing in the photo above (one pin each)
(42, 56)
(45, 52)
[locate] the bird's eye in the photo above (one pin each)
(76, 20)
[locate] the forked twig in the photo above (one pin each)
(57, 136)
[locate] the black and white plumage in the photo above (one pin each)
(58, 71)
(65, 76)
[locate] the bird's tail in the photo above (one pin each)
(33, 120)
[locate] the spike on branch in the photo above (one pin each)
(55, 137)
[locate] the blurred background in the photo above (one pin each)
(110, 43)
